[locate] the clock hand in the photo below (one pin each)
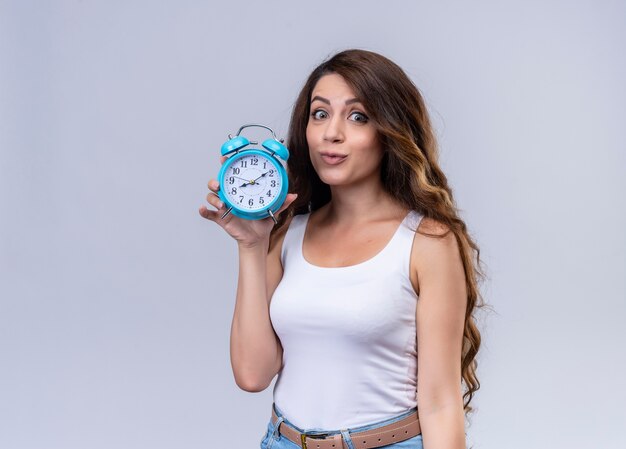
(252, 182)
(248, 183)
(260, 176)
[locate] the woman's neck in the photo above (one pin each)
(355, 204)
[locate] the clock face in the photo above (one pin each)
(251, 181)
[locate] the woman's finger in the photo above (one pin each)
(213, 185)
(208, 214)
(214, 200)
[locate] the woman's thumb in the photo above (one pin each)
(291, 197)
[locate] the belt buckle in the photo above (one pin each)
(319, 436)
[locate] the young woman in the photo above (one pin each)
(362, 297)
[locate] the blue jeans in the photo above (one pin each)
(274, 440)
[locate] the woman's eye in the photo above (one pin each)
(359, 117)
(319, 114)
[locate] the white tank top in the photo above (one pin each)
(348, 334)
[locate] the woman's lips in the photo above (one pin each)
(333, 159)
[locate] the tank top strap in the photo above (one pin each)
(293, 237)
(398, 251)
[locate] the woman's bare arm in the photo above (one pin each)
(438, 268)
(255, 350)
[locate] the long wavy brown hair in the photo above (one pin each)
(410, 170)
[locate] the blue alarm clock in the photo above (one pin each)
(253, 180)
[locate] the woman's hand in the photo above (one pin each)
(248, 233)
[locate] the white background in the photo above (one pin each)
(116, 297)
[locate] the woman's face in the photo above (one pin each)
(343, 143)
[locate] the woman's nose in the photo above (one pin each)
(334, 129)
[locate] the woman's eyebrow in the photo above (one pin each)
(324, 100)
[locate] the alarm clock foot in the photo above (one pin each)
(227, 212)
(273, 217)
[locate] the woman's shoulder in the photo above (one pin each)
(433, 227)
(433, 243)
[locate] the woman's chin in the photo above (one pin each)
(334, 180)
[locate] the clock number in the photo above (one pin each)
(251, 202)
(231, 180)
(261, 200)
(264, 165)
(244, 164)
(271, 173)
(236, 170)
(240, 198)
(234, 191)
(254, 161)
(273, 183)
(269, 193)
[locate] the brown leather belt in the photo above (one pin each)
(395, 432)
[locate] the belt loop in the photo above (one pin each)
(346, 437)
(275, 433)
